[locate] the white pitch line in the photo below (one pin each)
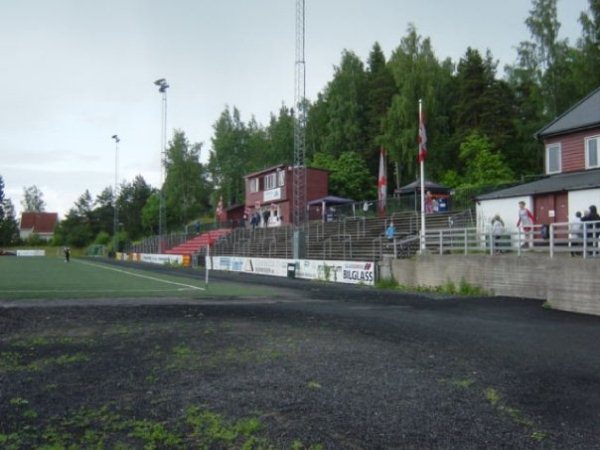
(140, 275)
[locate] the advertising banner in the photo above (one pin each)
(160, 259)
(31, 252)
(353, 272)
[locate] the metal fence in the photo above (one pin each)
(570, 238)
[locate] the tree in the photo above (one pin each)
(280, 138)
(380, 90)
(417, 75)
(33, 199)
(482, 165)
(230, 158)
(345, 99)
(1, 198)
(150, 214)
(484, 104)
(9, 227)
(76, 229)
(132, 199)
(186, 186)
(348, 175)
(587, 65)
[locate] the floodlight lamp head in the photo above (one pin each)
(116, 138)
(160, 81)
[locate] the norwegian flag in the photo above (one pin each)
(422, 139)
(382, 183)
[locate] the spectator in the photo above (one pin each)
(497, 231)
(390, 231)
(592, 229)
(576, 230)
(526, 222)
(428, 203)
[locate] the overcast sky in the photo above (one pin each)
(75, 72)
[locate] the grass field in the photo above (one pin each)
(52, 278)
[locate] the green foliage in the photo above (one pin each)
(131, 202)
(186, 187)
(348, 175)
(102, 238)
(482, 166)
(386, 283)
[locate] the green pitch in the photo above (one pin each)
(52, 278)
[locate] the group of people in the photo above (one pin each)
(526, 223)
(591, 232)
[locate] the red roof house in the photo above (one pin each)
(40, 223)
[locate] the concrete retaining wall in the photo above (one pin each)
(568, 284)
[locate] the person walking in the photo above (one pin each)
(526, 222)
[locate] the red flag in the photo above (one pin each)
(382, 183)
(422, 139)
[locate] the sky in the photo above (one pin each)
(75, 72)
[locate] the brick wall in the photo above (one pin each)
(568, 284)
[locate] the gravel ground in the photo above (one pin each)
(318, 365)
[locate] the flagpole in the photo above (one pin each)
(422, 168)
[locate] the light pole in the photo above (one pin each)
(115, 207)
(162, 88)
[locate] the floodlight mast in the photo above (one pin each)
(115, 196)
(162, 88)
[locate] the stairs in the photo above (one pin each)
(197, 243)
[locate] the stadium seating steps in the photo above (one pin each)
(196, 244)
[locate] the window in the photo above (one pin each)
(553, 158)
(281, 177)
(592, 150)
(270, 181)
(253, 185)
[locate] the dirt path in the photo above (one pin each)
(330, 366)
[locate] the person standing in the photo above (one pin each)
(526, 222)
(497, 231)
(576, 230)
(592, 230)
(390, 231)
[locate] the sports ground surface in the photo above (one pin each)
(98, 355)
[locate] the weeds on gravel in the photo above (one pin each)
(516, 415)
(449, 288)
(15, 361)
(314, 385)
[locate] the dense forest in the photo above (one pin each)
(480, 128)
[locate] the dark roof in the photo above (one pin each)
(415, 185)
(330, 200)
(581, 116)
(279, 166)
(39, 222)
(573, 181)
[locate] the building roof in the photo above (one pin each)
(572, 181)
(330, 200)
(583, 115)
(279, 166)
(416, 185)
(39, 222)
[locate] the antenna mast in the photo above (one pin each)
(299, 187)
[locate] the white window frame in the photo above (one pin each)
(253, 185)
(270, 181)
(550, 147)
(588, 164)
(281, 178)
